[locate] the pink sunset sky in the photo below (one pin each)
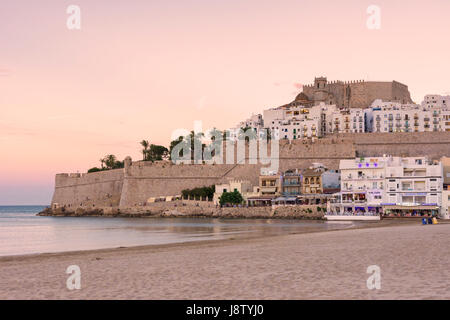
(141, 69)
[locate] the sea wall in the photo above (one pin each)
(180, 209)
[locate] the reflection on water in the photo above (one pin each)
(22, 232)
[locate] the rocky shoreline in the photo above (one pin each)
(300, 212)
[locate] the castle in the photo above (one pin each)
(352, 94)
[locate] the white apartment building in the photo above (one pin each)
(413, 187)
(255, 122)
(345, 121)
(362, 186)
(395, 186)
(293, 123)
(445, 120)
(396, 117)
(436, 101)
(300, 122)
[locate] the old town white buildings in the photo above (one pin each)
(369, 188)
(296, 121)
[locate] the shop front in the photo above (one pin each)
(418, 211)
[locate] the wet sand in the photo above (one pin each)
(414, 262)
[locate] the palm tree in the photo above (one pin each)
(110, 161)
(102, 161)
(145, 144)
(247, 133)
(215, 133)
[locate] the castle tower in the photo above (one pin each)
(320, 82)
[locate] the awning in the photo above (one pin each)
(169, 198)
(268, 189)
(260, 199)
(390, 207)
(286, 199)
(151, 200)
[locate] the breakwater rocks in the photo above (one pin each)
(280, 212)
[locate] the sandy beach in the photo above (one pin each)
(414, 262)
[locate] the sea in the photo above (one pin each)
(23, 232)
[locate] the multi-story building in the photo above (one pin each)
(345, 120)
(317, 179)
(436, 101)
(255, 123)
(297, 122)
(445, 207)
(270, 185)
(294, 122)
(413, 187)
(395, 117)
(291, 183)
(445, 120)
(390, 185)
(362, 185)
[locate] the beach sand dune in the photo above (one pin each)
(414, 262)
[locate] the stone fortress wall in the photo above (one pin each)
(101, 189)
(355, 94)
(132, 186)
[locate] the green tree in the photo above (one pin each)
(157, 152)
(175, 143)
(201, 192)
(110, 161)
(234, 197)
(247, 133)
(145, 144)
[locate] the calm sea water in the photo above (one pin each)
(22, 232)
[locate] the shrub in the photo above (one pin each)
(231, 198)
